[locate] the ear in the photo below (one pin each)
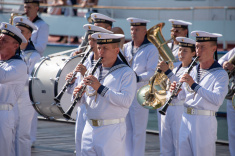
(117, 50)
(16, 46)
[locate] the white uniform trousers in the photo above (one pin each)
(8, 124)
(34, 125)
(136, 121)
(79, 127)
(104, 140)
(170, 126)
(198, 134)
(23, 140)
(231, 127)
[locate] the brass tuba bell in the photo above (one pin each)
(153, 95)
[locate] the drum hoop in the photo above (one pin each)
(35, 69)
(30, 88)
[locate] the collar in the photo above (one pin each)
(30, 46)
(214, 66)
(117, 62)
(36, 19)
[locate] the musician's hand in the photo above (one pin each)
(77, 89)
(228, 66)
(68, 76)
(163, 66)
(81, 68)
(173, 87)
(92, 81)
(187, 78)
(77, 52)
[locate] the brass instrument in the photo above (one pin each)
(233, 101)
(153, 95)
(13, 15)
(231, 75)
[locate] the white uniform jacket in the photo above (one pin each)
(144, 61)
(230, 109)
(207, 96)
(40, 36)
(30, 57)
(227, 56)
(13, 75)
(114, 96)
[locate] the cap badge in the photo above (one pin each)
(99, 36)
(172, 22)
(182, 40)
(89, 27)
(95, 16)
(5, 25)
(21, 19)
(197, 34)
(131, 20)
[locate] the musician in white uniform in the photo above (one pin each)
(113, 87)
(179, 29)
(39, 36)
(13, 75)
(229, 66)
(142, 57)
(205, 89)
(99, 20)
(170, 123)
(81, 69)
(26, 110)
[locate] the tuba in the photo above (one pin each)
(153, 95)
(231, 75)
(13, 15)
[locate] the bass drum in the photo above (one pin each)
(48, 78)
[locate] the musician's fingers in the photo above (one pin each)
(68, 76)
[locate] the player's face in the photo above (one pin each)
(109, 53)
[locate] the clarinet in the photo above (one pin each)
(61, 93)
(78, 96)
(178, 86)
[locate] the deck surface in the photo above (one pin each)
(57, 139)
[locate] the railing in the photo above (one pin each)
(224, 26)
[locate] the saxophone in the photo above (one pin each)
(153, 95)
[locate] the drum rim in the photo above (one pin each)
(35, 69)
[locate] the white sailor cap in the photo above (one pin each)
(32, 1)
(24, 22)
(179, 23)
(100, 18)
(93, 29)
(186, 42)
(137, 21)
(203, 36)
(12, 31)
(106, 38)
